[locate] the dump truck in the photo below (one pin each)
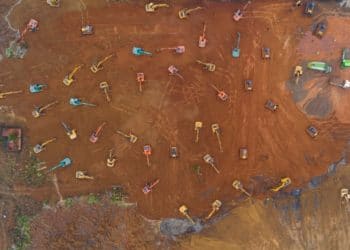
(320, 66)
(345, 58)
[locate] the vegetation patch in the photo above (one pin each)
(21, 234)
(31, 174)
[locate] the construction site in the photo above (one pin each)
(192, 115)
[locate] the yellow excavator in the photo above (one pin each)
(38, 111)
(286, 181)
(68, 79)
(215, 207)
(184, 210)
(82, 175)
(151, 7)
(185, 12)
(97, 67)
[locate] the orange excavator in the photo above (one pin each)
(32, 25)
(96, 133)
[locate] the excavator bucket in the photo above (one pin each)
(151, 7)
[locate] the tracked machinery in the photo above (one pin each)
(152, 7)
(42, 146)
(184, 13)
(98, 66)
(69, 79)
(38, 111)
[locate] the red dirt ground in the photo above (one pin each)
(165, 112)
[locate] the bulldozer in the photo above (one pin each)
(151, 7)
(207, 66)
(53, 3)
(72, 133)
(94, 136)
(131, 137)
(217, 131)
(68, 79)
(82, 175)
(105, 87)
(38, 111)
(184, 210)
(4, 94)
(215, 207)
(202, 41)
(111, 159)
(286, 181)
(197, 126)
(184, 13)
(97, 67)
(41, 146)
(238, 185)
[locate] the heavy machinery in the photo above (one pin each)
(72, 133)
(215, 207)
(210, 160)
(320, 29)
(97, 67)
(220, 93)
(239, 13)
(298, 3)
(344, 195)
(151, 7)
(265, 53)
(68, 79)
(174, 71)
(38, 111)
(140, 78)
(197, 126)
(243, 153)
(343, 84)
(32, 25)
(173, 152)
(309, 8)
(147, 151)
(94, 136)
(312, 131)
(105, 87)
(62, 164)
(270, 105)
(320, 66)
(131, 137)
(180, 49)
(87, 29)
(236, 50)
(184, 13)
(111, 159)
(149, 186)
(36, 87)
(75, 101)
(286, 181)
(216, 130)
(137, 51)
(298, 72)
(207, 66)
(82, 175)
(236, 184)
(4, 94)
(53, 3)
(345, 58)
(41, 146)
(202, 41)
(184, 210)
(248, 85)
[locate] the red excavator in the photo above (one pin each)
(32, 25)
(239, 13)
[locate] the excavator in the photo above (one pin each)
(184, 13)
(177, 49)
(41, 146)
(36, 87)
(286, 181)
(149, 186)
(75, 101)
(210, 160)
(236, 50)
(151, 7)
(97, 67)
(184, 210)
(207, 66)
(215, 207)
(239, 13)
(62, 164)
(298, 72)
(32, 26)
(82, 175)
(202, 41)
(236, 184)
(140, 78)
(105, 87)
(147, 151)
(38, 111)
(111, 159)
(197, 126)
(217, 131)
(137, 51)
(220, 93)
(131, 137)
(53, 3)
(72, 133)
(68, 79)
(174, 71)
(4, 94)
(94, 136)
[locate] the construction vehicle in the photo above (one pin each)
(97, 67)
(216, 130)
(72, 133)
(320, 66)
(270, 105)
(312, 131)
(344, 195)
(94, 136)
(62, 164)
(243, 153)
(38, 111)
(202, 41)
(345, 58)
(184, 210)
(11, 138)
(149, 186)
(210, 160)
(75, 101)
(87, 30)
(174, 71)
(140, 78)
(147, 151)
(344, 84)
(298, 72)
(173, 152)
(238, 185)
(36, 87)
(320, 29)
(184, 13)
(4, 94)
(180, 49)
(41, 146)
(53, 3)
(131, 137)
(239, 13)
(248, 85)
(105, 87)
(265, 53)
(207, 66)
(111, 159)
(197, 126)
(286, 181)
(215, 207)
(220, 93)
(151, 7)
(236, 50)
(137, 51)
(32, 25)
(82, 175)
(298, 3)
(68, 79)
(309, 8)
